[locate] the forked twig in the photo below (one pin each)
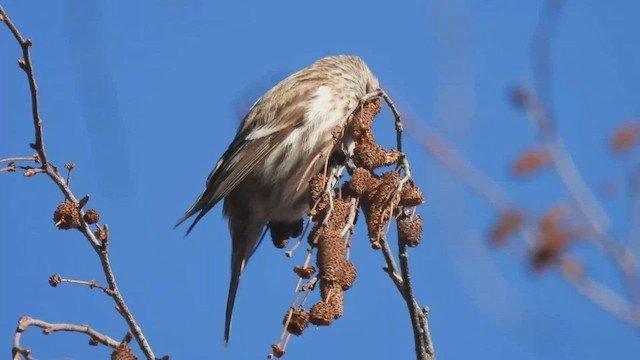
(48, 328)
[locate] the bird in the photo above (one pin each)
(264, 173)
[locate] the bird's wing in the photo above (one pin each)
(234, 166)
(250, 147)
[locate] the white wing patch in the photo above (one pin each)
(324, 112)
(260, 133)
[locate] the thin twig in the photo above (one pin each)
(390, 265)
(13, 159)
(48, 328)
(52, 171)
(8, 168)
(396, 115)
(351, 217)
(26, 65)
(91, 284)
(422, 336)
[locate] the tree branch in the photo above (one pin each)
(541, 115)
(48, 328)
(422, 336)
(51, 170)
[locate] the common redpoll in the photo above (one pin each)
(286, 138)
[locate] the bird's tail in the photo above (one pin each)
(245, 239)
(237, 265)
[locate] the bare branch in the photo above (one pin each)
(14, 159)
(422, 336)
(26, 65)
(48, 328)
(52, 171)
(55, 280)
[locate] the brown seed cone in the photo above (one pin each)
(319, 232)
(316, 188)
(362, 181)
(101, 233)
(330, 256)
(337, 302)
(304, 272)
(410, 232)
(339, 213)
(373, 156)
(298, 322)
(411, 195)
(67, 216)
(363, 120)
(347, 275)
(278, 351)
(388, 184)
(91, 216)
(319, 209)
(314, 234)
(373, 216)
(55, 280)
(327, 287)
(123, 352)
(331, 293)
(321, 314)
(378, 202)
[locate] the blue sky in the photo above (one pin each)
(144, 97)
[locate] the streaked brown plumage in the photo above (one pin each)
(260, 173)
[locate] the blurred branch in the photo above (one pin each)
(48, 328)
(541, 117)
(455, 161)
(602, 296)
(541, 59)
(585, 200)
(540, 113)
(99, 246)
(634, 223)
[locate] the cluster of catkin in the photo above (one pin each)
(334, 211)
